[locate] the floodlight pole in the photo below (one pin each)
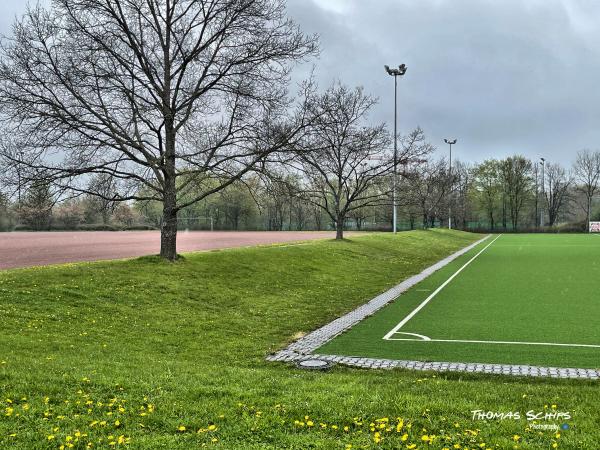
(543, 164)
(401, 70)
(450, 142)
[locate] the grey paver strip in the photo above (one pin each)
(304, 347)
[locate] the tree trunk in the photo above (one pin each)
(168, 231)
(339, 228)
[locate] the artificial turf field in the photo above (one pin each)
(514, 299)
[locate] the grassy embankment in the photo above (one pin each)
(146, 354)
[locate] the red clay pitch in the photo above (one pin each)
(23, 249)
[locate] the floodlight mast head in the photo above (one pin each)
(401, 70)
(450, 141)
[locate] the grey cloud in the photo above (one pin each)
(502, 76)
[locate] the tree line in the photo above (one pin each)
(494, 195)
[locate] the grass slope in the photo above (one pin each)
(522, 288)
(145, 354)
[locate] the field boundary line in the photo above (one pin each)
(309, 343)
(470, 341)
(424, 303)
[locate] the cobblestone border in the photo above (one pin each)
(303, 348)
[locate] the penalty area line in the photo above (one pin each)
(434, 293)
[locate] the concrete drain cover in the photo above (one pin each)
(314, 364)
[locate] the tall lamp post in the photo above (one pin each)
(401, 70)
(450, 142)
(543, 164)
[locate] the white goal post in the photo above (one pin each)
(594, 227)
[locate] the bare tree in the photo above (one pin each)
(586, 171)
(461, 182)
(341, 158)
(160, 94)
(429, 186)
(557, 190)
(104, 194)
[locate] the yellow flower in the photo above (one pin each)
(377, 437)
(516, 437)
(425, 438)
(310, 423)
(399, 425)
(554, 445)
(214, 427)
(181, 428)
(411, 446)
(404, 437)
(51, 437)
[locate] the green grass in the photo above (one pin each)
(137, 349)
(522, 288)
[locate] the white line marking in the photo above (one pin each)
(434, 293)
(420, 336)
(495, 342)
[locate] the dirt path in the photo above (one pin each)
(23, 249)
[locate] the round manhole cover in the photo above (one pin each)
(315, 364)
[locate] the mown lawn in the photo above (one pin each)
(146, 354)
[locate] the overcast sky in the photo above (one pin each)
(504, 77)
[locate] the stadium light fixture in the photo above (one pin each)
(400, 71)
(450, 142)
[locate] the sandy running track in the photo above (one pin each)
(24, 249)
